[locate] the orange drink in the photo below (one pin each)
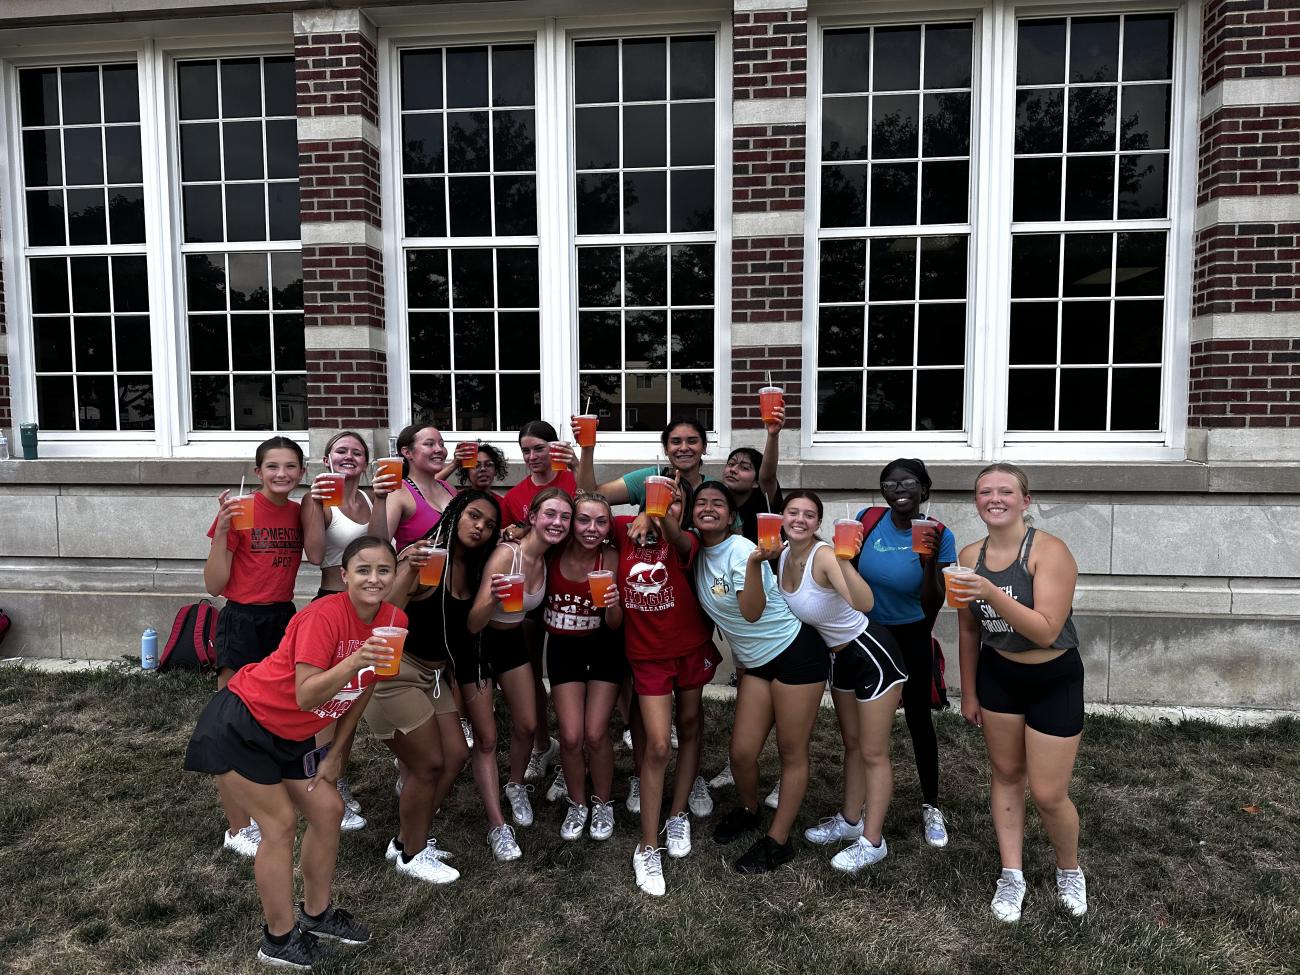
(558, 460)
(242, 520)
(587, 424)
(658, 495)
(952, 585)
(769, 530)
(332, 487)
(389, 467)
(513, 600)
(395, 638)
(601, 582)
(467, 451)
(920, 536)
(431, 571)
(848, 537)
(769, 399)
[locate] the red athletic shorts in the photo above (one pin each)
(695, 668)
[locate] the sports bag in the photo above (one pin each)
(190, 645)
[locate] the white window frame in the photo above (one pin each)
(154, 53)
(556, 243)
(993, 116)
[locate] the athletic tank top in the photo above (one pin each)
(422, 519)
(531, 599)
(569, 609)
(823, 609)
(1017, 582)
(436, 622)
(340, 532)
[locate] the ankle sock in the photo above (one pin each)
(277, 939)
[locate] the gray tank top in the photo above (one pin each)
(1017, 582)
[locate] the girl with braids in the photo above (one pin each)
(415, 713)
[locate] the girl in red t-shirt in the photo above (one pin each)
(256, 571)
(257, 736)
(586, 664)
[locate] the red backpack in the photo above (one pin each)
(870, 518)
(190, 645)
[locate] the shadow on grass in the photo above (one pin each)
(109, 855)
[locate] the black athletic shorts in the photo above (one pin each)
(578, 659)
(493, 653)
(228, 738)
(1049, 695)
(807, 660)
(868, 665)
(247, 634)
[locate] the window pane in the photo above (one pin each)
(241, 87)
(691, 65)
(512, 75)
(126, 215)
(897, 64)
(121, 93)
(1094, 49)
(80, 95)
(1148, 46)
(38, 96)
(644, 69)
(467, 77)
(839, 400)
(421, 80)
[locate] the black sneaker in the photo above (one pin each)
(301, 951)
(736, 823)
(336, 924)
(765, 856)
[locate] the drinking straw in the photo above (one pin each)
(241, 484)
(769, 377)
(587, 409)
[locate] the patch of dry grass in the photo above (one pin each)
(109, 860)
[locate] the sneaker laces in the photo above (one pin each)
(576, 814)
(678, 828)
(345, 791)
(699, 789)
(503, 838)
(1070, 884)
(933, 818)
(602, 813)
(1009, 891)
(253, 831)
(652, 862)
(831, 824)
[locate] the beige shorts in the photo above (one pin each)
(405, 702)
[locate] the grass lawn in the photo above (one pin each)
(109, 861)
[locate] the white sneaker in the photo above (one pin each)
(575, 821)
(539, 762)
(467, 730)
(602, 820)
(678, 829)
(672, 734)
(837, 829)
(774, 797)
(649, 870)
(1009, 896)
(521, 810)
(243, 842)
(701, 802)
(345, 791)
(634, 794)
(428, 866)
(558, 789)
(351, 821)
(1072, 891)
(432, 846)
(502, 841)
(936, 831)
(627, 738)
(723, 778)
(859, 854)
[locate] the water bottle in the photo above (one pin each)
(4, 446)
(149, 649)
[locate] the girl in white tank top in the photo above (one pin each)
(326, 532)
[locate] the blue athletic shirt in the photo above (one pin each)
(719, 578)
(893, 571)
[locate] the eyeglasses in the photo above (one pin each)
(906, 484)
(485, 465)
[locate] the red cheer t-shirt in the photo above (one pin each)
(661, 616)
(326, 632)
(514, 506)
(264, 567)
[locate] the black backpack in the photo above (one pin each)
(190, 645)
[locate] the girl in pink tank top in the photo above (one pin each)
(412, 507)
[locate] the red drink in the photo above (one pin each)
(587, 424)
(395, 639)
(769, 399)
(559, 462)
(769, 530)
(848, 537)
(955, 591)
(242, 519)
(389, 467)
(331, 486)
(513, 600)
(658, 495)
(431, 571)
(601, 582)
(920, 536)
(467, 451)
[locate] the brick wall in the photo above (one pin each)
(339, 180)
(347, 388)
(1245, 383)
(343, 285)
(770, 53)
(1247, 268)
(1250, 39)
(751, 367)
(1250, 151)
(336, 74)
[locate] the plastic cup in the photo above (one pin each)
(769, 399)
(332, 485)
(920, 536)
(848, 537)
(389, 467)
(467, 451)
(587, 424)
(395, 638)
(957, 600)
(769, 530)
(559, 462)
(658, 495)
(242, 520)
(513, 600)
(431, 571)
(601, 582)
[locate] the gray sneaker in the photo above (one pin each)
(335, 924)
(539, 762)
(503, 843)
(602, 820)
(302, 951)
(575, 821)
(634, 794)
(521, 810)
(1009, 897)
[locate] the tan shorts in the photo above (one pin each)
(405, 702)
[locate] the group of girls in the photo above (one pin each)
(795, 615)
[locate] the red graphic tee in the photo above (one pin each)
(265, 564)
(514, 506)
(569, 607)
(326, 632)
(662, 617)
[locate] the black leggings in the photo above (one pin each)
(914, 640)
